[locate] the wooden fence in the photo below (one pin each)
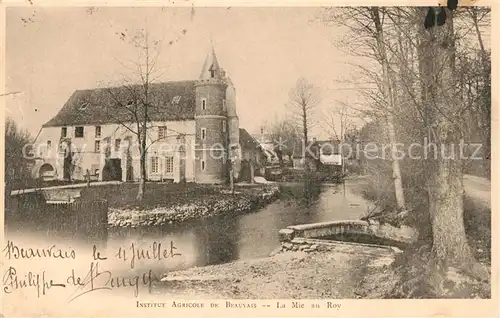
(83, 219)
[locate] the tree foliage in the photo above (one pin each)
(18, 164)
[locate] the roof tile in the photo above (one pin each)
(107, 105)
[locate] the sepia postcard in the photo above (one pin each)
(253, 159)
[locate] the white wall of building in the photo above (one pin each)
(86, 156)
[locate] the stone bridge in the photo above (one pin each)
(372, 233)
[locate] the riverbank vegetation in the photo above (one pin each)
(407, 277)
(432, 87)
(17, 167)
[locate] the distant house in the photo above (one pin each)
(329, 152)
(321, 153)
(251, 149)
(253, 156)
(271, 155)
(268, 147)
(194, 130)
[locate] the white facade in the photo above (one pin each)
(170, 143)
(204, 111)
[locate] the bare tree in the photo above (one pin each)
(133, 104)
(366, 25)
(303, 99)
(427, 92)
(478, 15)
(388, 93)
(338, 122)
(445, 187)
(284, 136)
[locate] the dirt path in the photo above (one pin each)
(479, 189)
(295, 275)
(66, 186)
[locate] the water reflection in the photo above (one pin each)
(217, 241)
(227, 238)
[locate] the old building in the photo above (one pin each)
(321, 153)
(193, 132)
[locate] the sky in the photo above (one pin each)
(53, 51)
(264, 51)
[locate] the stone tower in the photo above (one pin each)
(233, 127)
(211, 123)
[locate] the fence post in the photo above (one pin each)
(88, 178)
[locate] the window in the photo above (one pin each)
(176, 99)
(79, 132)
(64, 132)
(223, 126)
(118, 143)
(204, 104)
(97, 146)
(154, 164)
(224, 104)
(203, 133)
(169, 164)
(203, 165)
(98, 131)
(162, 132)
(49, 144)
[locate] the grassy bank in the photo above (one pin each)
(174, 204)
(123, 196)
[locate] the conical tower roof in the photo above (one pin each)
(211, 68)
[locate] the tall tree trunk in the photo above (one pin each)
(389, 93)
(396, 168)
(307, 180)
(231, 178)
(342, 137)
(306, 140)
(445, 188)
(142, 179)
(144, 129)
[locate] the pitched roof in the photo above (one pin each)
(263, 138)
(170, 101)
(247, 141)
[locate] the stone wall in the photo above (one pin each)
(223, 203)
(294, 235)
(307, 245)
(299, 246)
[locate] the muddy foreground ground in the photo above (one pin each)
(323, 274)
